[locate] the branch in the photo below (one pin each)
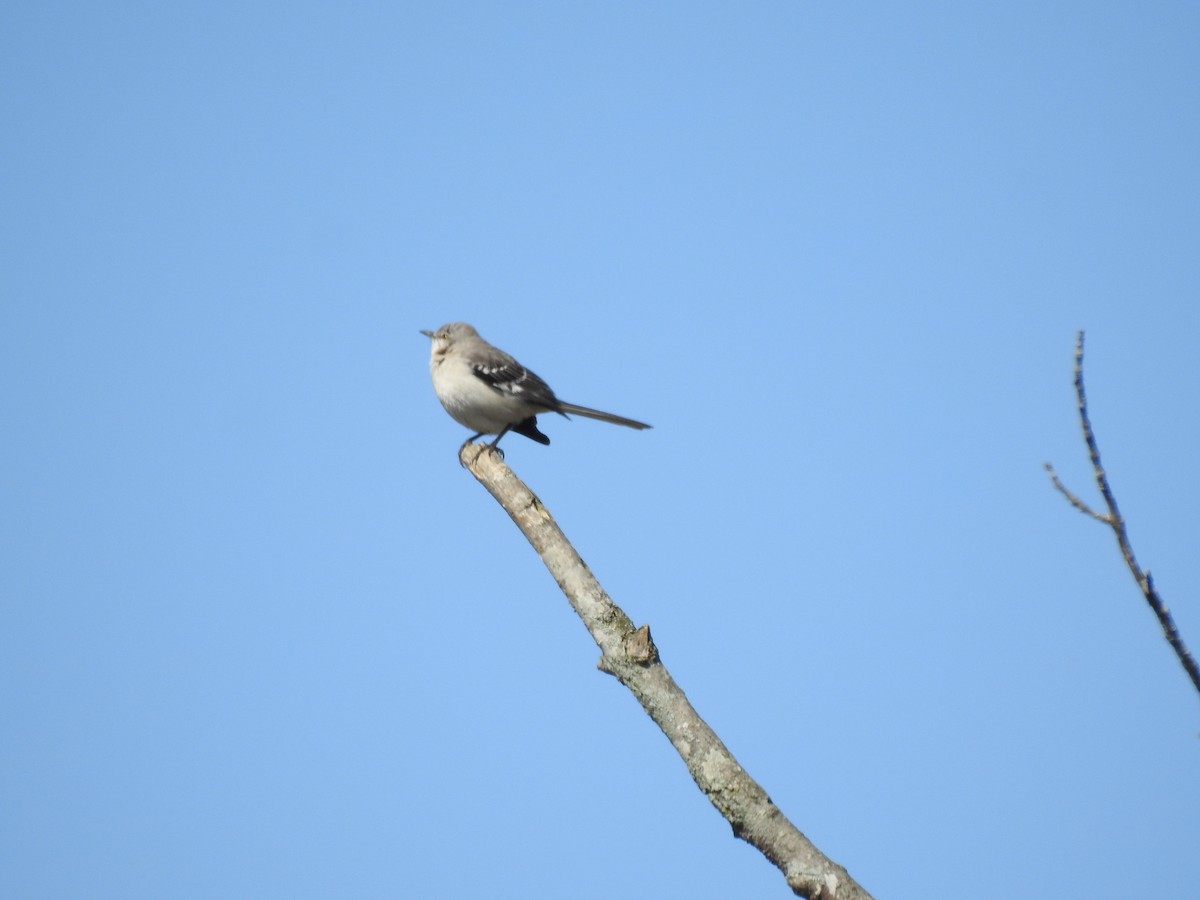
(630, 655)
(1114, 520)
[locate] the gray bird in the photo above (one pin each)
(489, 392)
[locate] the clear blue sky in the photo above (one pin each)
(260, 635)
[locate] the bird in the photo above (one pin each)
(489, 392)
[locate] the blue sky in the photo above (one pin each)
(260, 635)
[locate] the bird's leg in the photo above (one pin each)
(492, 446)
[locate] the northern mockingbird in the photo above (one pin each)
(489, 392)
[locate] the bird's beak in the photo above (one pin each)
(427, 334)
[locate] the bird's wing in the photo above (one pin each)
(507, 376)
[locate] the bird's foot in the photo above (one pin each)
(469, 442)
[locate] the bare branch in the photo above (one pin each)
(1072, 499)
(630, 655)
(1117, 523)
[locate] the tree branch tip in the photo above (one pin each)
(1074, 500)
(471, 455)
(1114, 520)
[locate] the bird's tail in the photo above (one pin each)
(602, 416)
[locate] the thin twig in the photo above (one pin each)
(629, 654)
(1072, 499)
(1115, 521)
